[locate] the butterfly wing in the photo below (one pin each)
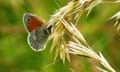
(31, 22)
(37, 38)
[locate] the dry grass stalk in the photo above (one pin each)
(64, 21)
(117, 20)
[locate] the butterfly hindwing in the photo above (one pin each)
(37, 38)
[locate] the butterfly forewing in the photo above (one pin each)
(31, 22)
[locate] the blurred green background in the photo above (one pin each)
(17, 56)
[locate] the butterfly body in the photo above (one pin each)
(38, 32)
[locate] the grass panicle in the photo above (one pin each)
(67, 39)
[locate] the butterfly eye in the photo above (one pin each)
(29, 19)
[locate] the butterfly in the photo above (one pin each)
(38, 31)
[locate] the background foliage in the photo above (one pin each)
(16, 55)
